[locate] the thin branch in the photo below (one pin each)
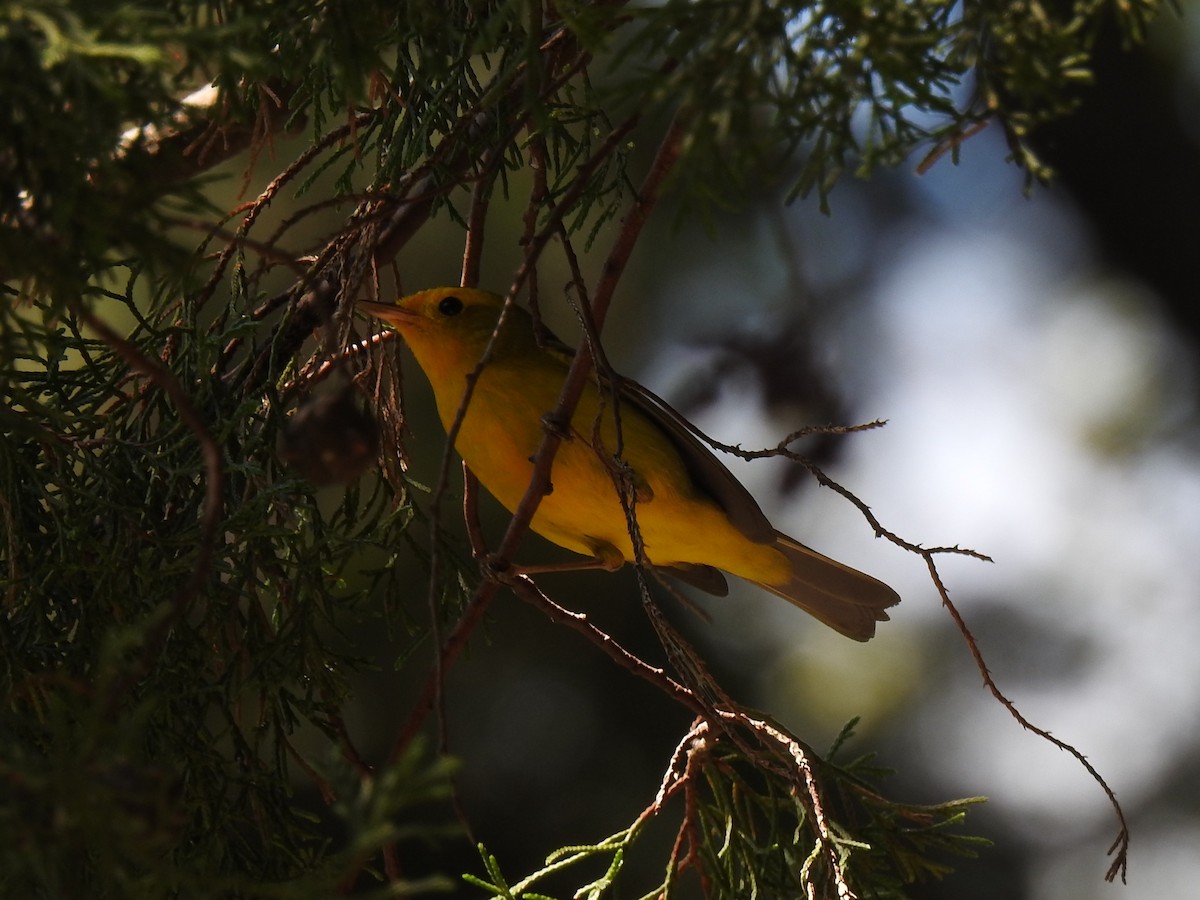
(631, 228)
(270, 191)
(472, 259)
(1120, 846)
(727, 711)
(951, 144)
(781, 449)
(582, 177)
(482, 597)
(539, 196)
(528, 591)
(476, 219)
(471, 514)
(581, 364)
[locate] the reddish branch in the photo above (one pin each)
(1120, 846)
(1119, 849)
(572, 390)
(396, 234)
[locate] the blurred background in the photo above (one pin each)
(1035, 359)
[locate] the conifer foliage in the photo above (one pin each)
(180, 369)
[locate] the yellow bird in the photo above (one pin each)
(694, 517)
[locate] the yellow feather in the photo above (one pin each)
(691, 513)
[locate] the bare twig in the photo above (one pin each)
(950, 145)
(781, 449)
(472, 259)
(581, 363)
(527, 590)
(471, 514)
(473, 248)
(584, 173)
(482, 597)
(1120, 846)
(268, 193)
(728, 712)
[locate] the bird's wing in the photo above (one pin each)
(707, 472)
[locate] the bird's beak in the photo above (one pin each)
(391, 313)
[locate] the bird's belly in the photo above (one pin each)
(583, 511)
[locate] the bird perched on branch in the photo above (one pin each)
(693, 517)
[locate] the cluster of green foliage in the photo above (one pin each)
(98, 149)
(756, 840)
(175, 607)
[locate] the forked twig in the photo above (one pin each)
(1119, 849)
(726, 711)
(1120, 846)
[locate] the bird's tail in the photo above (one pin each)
(843, 598)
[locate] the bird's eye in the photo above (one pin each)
(450, 306)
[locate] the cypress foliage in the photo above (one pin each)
(175, 651)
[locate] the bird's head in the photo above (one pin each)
(444, 311)
(442, 324)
